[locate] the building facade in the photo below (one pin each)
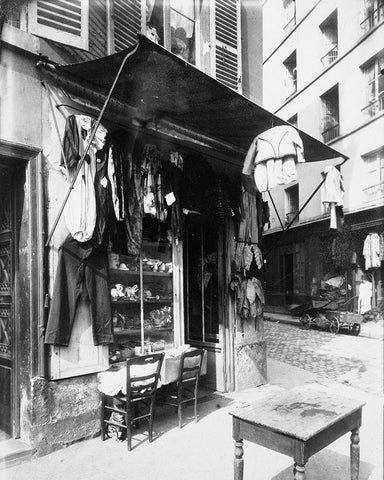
(49, 395)
(321, 71)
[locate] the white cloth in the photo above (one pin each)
(80, 210)
(365, 295)
(112, 382)
(272, 157)
(371, 251)
(333, 186)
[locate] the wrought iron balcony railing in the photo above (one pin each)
(289, 26)
(373, 19)
(330, 56)
(375, 107)
(331, 133)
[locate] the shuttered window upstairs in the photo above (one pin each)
(65, 21)
(227, 56)
(127, 22)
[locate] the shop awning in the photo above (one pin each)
(163, 87)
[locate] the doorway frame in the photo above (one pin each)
(28, 158)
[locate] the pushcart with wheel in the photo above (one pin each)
(330, 315)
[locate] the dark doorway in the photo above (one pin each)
(288, 274)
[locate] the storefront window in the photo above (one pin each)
(202, 297)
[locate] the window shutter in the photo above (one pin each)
(127, 22)
(227, 45)
(65, 21)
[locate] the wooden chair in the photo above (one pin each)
(143, 374)
(185, 390)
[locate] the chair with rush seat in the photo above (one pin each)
(138, 402)
(186, 388)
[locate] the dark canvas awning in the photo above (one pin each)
(163, 87)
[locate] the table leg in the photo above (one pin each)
(239, 461)
(355, 454)
(299, 471)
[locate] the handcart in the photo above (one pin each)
(329, 315)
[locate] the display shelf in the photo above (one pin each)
(136, 331)
(124, 302)
(136, 273)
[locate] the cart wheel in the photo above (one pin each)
(334, 324)
(306, 320)
(355, 329)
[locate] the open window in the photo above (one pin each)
(291, 204)
(63, 21)
(329, 39)
(374, 86)
(374, 174)
(373, 14)
(290, 65)
(293, 120)
(289, 15)
(330, 127)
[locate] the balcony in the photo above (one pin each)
(290, 25)
(331, 133)
(373, 19)
(375, 107)
(330, 56)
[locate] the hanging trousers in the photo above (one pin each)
(82, 274)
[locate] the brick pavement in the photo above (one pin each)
(350, 360)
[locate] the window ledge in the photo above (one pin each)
(19, 39)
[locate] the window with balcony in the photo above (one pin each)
(290, 66)
(293, 120)
(291, 205)
(374, 87)
(289, 15)
(374, 174)
(330, 127)
(330, 39)
(373, 14)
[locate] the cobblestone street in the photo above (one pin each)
(353, 361)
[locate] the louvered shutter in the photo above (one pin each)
(65, 21)
(227, 45)
(127, 22)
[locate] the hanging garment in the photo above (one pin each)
(381, 246)
(272, 157)
(82, 273)
(371, 251)
(116, 200)
(80, 210)
(365, 296)
(250, 298)
(248, 231)
(333, 193)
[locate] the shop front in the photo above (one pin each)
(140, 195)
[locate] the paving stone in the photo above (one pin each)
(356, 361)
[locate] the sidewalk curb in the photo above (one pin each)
(295, 321)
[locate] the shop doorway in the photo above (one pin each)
(7, 267)
(204, 301)
(288, 278)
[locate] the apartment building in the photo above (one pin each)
(322, 64)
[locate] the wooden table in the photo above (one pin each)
(298, 423)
